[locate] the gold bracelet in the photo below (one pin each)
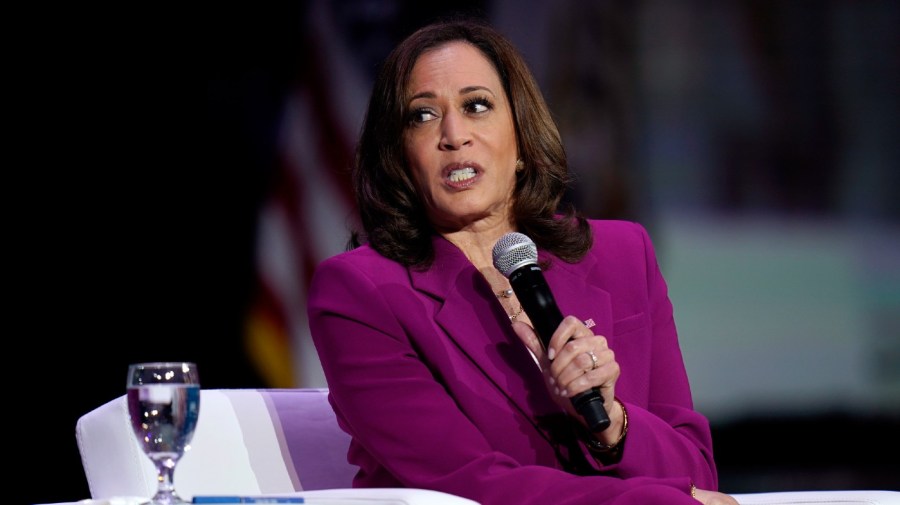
(596, 446)
(693, 490)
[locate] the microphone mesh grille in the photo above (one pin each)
(512, 251)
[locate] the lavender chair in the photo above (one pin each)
(239, 448)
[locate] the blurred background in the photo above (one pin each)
(756, 140)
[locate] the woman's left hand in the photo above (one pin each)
(714, 498)
(575, 360)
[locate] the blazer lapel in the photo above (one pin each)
(483, 334)
(576, 296)
(486, 336)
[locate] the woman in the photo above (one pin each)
(421, 338)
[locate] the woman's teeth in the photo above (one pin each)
(462, 174)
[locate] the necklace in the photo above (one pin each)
(507, 293)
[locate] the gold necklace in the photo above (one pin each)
(507, 293)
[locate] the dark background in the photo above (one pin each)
(134, 238)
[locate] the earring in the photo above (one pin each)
(520, 165)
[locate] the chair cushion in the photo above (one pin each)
(311, 438)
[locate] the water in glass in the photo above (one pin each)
(164, 404)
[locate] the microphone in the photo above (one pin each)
(515, 256)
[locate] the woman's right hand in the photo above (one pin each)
(569, 368)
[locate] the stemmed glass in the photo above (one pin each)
(164, 404)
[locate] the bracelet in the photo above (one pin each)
(693, 490)
(597, 447)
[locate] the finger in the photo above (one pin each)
(569, 328)
(574, 380)
(582, 342)
(577, 350)
(530, 338)
(582, 364)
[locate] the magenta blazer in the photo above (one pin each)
(427, 376)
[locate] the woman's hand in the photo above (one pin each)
(713, 498)
(569, 368)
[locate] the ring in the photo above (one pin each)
(593, 358)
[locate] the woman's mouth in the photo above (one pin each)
(462, 174)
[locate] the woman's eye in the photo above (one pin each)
(478, 105)
(422, 115)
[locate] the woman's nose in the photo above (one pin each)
(454, 133)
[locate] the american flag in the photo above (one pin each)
(310, 210)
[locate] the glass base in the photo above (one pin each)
(166, 499)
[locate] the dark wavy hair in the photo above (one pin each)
(393, 216)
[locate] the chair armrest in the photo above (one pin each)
(867, 497)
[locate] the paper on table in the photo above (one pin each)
(217, 500)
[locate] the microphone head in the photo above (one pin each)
(512, 251)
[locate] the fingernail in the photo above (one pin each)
(551, 354)
(552, 381)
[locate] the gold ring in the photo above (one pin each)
(593, 358)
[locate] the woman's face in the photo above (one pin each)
(460, 141)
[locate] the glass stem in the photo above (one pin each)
(165, 491)
(165, 479)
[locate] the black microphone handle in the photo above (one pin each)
(537, 301)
